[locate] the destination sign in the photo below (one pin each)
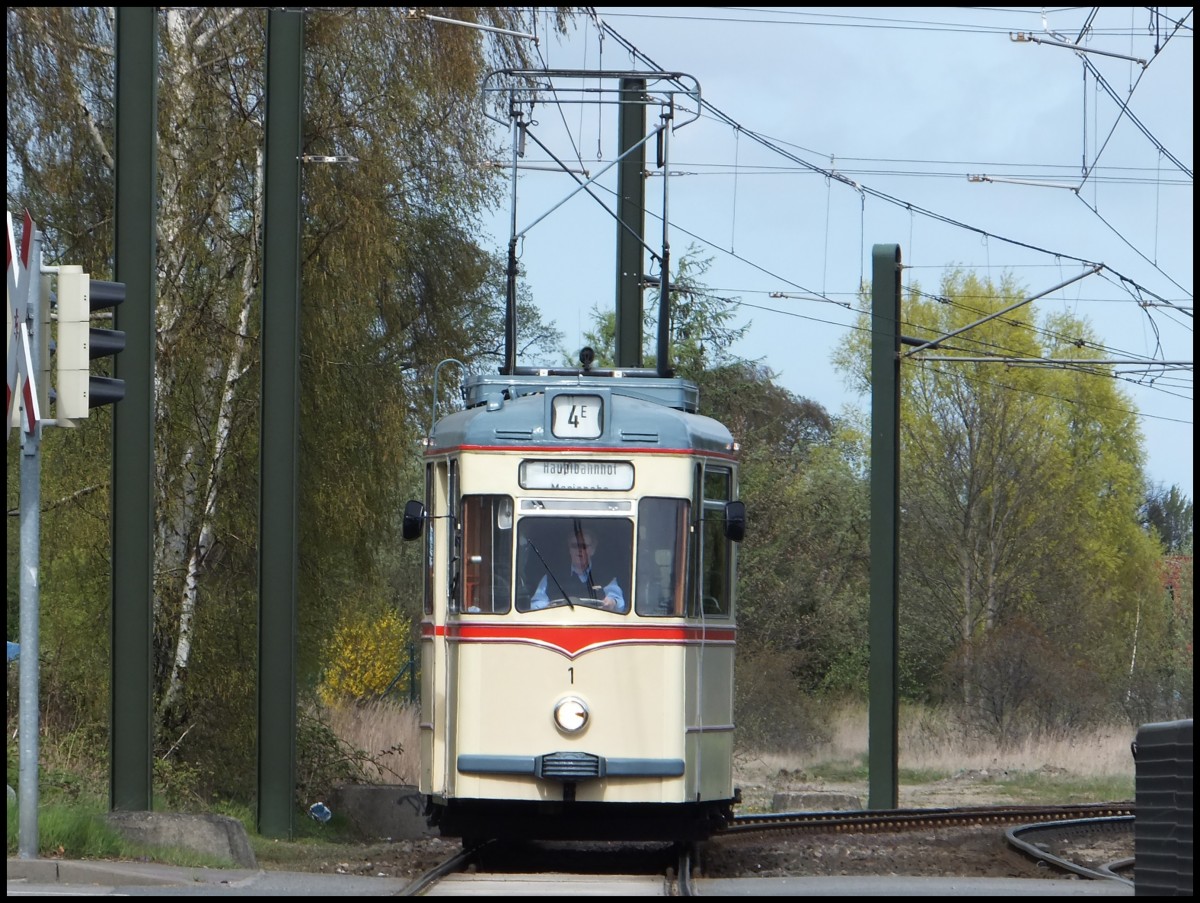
(576, 474)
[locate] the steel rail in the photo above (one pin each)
(455, 863)
(918, 819)
(683, 875)
(1016, 839)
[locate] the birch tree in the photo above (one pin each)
(394, 280)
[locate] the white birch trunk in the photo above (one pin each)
(187, 530)
(233, 372)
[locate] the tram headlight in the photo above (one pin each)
(571, 714)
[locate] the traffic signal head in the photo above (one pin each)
(45, 347)
(79, 344)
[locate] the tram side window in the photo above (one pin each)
(716, 578)
(662, 533)
(487, 522)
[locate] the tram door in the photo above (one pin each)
(710, 667)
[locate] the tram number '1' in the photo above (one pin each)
(571, 672)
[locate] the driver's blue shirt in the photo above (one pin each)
(541, 599)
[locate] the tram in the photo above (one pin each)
(548, 714)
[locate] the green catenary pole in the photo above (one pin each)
(631, 218)
(278, 462)
(883, 752)
(132, 738)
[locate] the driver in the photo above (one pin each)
(581, 546)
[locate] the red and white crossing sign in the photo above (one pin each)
(20, 357)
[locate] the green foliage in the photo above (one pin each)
(770, 715)
(1020, 490)
(803, 567)
(1161, 686)
(701, 337)
(701, 334)
(402, 282)
(1169, 513)
(311, 840)
(191, 784)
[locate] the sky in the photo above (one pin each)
(966, 136)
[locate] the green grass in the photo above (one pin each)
(301, 850)
(79, 833)
(1037, 787)
(78, 830)
(310, 839)
(839, 771)
(843, 771)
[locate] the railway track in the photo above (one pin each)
(1063, 844)
(1062, 837)
(546, 868)
(456, 863)
(892, 820)
(1078, 839)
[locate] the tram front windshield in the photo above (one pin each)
(568, 559)
(574, 560)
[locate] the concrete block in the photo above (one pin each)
(394, 811)
(220, 836)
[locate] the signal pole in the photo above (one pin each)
(27, 309)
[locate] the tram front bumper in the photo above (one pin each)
(570, 767)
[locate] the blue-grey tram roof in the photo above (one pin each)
(639, 412)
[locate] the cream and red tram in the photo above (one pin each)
(544, 715)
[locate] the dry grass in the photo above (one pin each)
(929, 741)
(939, 761)
(387, 732)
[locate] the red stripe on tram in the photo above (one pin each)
(573, 641)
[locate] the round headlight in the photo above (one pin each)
(571, 714)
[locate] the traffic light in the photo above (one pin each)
(79, 343)
(41, 335)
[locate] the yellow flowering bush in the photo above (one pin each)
(368, 652)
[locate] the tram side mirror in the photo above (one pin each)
(735, 521)
(414, 519)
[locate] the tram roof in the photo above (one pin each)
(642, 411)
